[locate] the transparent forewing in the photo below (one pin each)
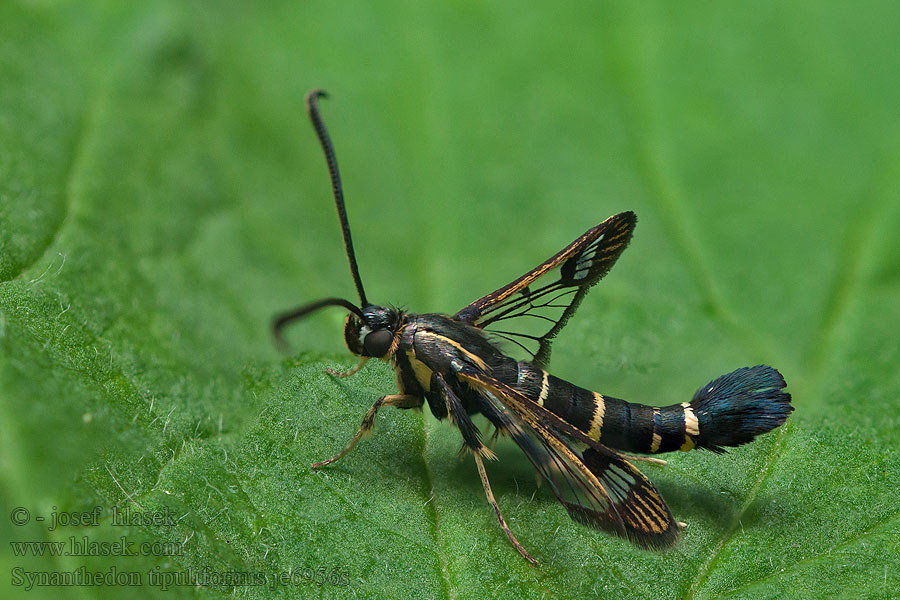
(561, 466)
(598, 487)
(531, 310)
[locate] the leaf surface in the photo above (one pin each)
(162, 196)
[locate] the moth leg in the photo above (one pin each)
(362, 362)
(458, 417)
(398, 400)
(503, 525)
(649, 459)
(494, 437)
(472, 441)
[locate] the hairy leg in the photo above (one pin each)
(398, 400)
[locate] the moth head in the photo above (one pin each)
(370, 331)
(373, 334)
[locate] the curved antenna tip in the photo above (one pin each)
(331, 160)
(278, 335)
(280, 321)
(314, 94)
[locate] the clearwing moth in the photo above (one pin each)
(571, 435)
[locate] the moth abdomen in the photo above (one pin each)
(728, 411)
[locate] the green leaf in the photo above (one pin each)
(162, 196)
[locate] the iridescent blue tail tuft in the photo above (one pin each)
(734, 408)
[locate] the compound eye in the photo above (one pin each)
(378, 342)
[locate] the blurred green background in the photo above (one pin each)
(162, 195)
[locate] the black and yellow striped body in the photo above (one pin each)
(728, 411)
(429, 341)
(613, 422)
(569, 434)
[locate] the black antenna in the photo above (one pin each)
(283, 319)
(313, 109)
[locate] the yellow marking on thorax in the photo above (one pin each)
(469, 356)
(657, 439)
(597, 419)
(422, 372)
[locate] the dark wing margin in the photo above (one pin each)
(546, 308)
(598, 487)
